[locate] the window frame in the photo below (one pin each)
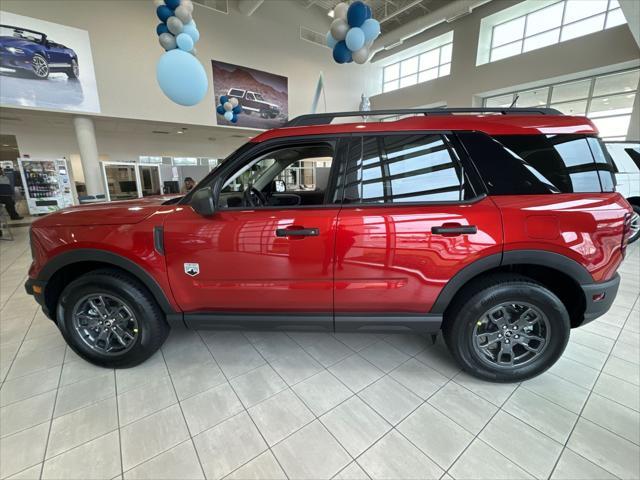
(250, 151)
(588, 99)
(561, 27)
(457, 153)
(419, 69)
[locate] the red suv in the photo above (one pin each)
(500, 227)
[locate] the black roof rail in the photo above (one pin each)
(326, 118)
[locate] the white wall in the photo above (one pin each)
(608, 50)
(125, 52)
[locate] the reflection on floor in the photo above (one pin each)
(303, 405)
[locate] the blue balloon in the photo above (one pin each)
(223, 99)
(341, 52)
(331, 42)
(162, 28)
(163, 12)
(237, 109)
(228, 116)
(184, 42)
(371, 29)
(369, 12)
(181, 77)
(172, 4)
(357, 14)
(354, 39)
(234, 119)
(220, 110)
(191, 30)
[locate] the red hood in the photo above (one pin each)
(112, 213)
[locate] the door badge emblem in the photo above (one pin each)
(192, 269)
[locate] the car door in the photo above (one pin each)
(262, 263)
(411, 220)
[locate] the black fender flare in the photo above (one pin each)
(512, 257)
(96, 255)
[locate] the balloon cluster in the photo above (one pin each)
(352, 32)
(229, 108)
(180, 75)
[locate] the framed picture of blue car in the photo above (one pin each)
(46, 65)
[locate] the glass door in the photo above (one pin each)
(122, 181)
(150, 180)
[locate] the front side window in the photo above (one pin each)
(540, 164)
(403, 168)
(286, 177)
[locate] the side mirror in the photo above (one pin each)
(203, 202)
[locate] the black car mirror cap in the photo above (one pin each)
(203, 202)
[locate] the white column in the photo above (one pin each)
(86, 135)
(634, 126)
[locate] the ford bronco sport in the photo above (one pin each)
(500, 227)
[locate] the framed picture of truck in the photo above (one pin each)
(264, 96)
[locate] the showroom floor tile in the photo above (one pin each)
(261, 405)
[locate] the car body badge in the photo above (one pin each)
(192, 269)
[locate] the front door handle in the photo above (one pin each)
(454, 229)
(297, 232)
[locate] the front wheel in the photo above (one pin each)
(110, 319)
(40, 66)
(635, 224)
(506, 328)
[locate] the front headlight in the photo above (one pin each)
(15, 51)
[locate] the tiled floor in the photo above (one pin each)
(304, 405)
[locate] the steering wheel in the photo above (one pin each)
(254, 197)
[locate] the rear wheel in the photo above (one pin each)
(40, 66)
(507, 328)
(74, 71)
(110, 319)
(635, 224)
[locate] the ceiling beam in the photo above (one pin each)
(248, 7)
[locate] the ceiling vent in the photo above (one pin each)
(237, 136)
(314, 37)
(221, 6)
(10, 119)
(160, 132)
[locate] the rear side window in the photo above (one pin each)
(540, 164)
(403, 169)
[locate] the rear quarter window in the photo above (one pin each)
(539, 164)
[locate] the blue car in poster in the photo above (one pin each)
(28, 51)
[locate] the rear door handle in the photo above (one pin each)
(454, 230)
(297, 232)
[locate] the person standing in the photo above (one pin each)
(7, 194)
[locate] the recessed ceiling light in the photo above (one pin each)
(179, 131)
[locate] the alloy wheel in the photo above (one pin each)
(75, 68)
(634, 226)
(511, 335)
(105, 323)
(40, 66)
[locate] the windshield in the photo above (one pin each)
(259, 97)
(17, 33)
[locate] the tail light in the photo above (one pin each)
(626, 232)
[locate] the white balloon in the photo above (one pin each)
(183, 14)
(369, 44)
(339, 29)
(227, 106)
(188, 4)
(361, 56)
(233, 101)
(340, 10)
(193, 51)
(174, 25)
(158, 3)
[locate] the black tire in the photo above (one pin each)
(40, 67)
(636, 218)
(480, 297)
(74, 71)
(152, 328)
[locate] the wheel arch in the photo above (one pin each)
(559, 273)
(64, 268)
